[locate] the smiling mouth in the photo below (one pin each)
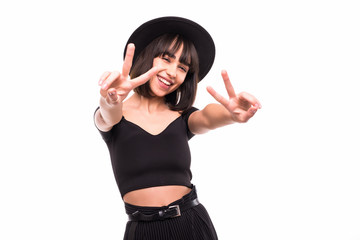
(165, 81)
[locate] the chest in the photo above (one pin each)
(135, 150)
(153, 124)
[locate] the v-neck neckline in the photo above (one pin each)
(154, 135)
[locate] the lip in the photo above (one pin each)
(167, 79)
(164, 85)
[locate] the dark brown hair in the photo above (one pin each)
(182, 98)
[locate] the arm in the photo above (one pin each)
(109, 113)
(238, 108)
(115, 87)
(211, 117)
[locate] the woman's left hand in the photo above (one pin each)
(242, 106)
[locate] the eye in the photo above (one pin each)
(166, 59)
(184, 69)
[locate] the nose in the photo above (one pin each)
(171, 70)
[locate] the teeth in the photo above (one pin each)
(164, 81)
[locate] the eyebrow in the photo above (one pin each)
(170, 55)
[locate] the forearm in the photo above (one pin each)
(108, 114)
(216, 115)
(211, 117)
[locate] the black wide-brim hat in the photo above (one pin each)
(201, 39)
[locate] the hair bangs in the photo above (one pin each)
(172, 43)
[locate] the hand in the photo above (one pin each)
(242, 106)
(115, 86)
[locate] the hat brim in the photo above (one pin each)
(201, 39)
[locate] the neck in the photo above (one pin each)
(150, 105)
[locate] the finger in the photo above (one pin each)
(218, 97)
(103, 93)
(113, 97)
(245, 116)
(251, 112)
(145, 77)
(244, 96)
(229, 88)
(128, 60)
(103, 77)
(110, 79)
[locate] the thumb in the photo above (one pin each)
(112, 96)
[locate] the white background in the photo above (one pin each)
(292, 172)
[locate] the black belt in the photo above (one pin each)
(170, 212)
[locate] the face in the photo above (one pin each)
(171, 75)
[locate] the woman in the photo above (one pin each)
(147, 133)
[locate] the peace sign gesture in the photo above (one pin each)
(115, 86)
(242, 106)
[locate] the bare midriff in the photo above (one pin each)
(156, 196)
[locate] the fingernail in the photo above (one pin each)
(104, 86)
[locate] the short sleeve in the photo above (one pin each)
(105, 135)
(185, 115)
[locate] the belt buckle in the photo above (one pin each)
(178, 212)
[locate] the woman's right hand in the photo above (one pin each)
(115, 86)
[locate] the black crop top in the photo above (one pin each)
(141, 160)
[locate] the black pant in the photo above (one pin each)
(193, 224)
